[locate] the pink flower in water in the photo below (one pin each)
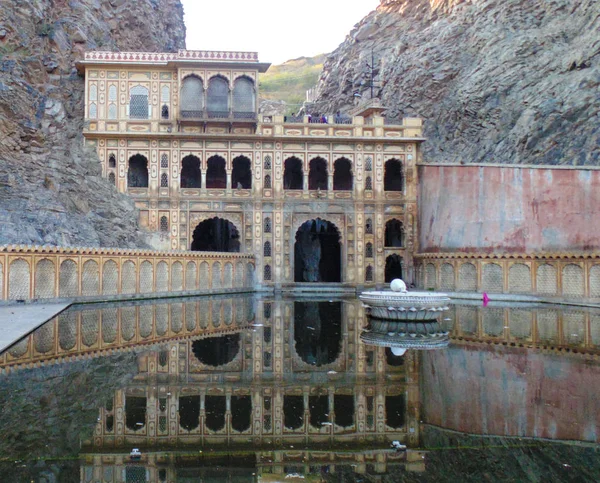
(486, 299)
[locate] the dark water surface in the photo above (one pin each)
(243, 389)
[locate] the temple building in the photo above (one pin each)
(326, 199)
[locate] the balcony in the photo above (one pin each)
(205, 115)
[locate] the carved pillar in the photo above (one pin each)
(228, 179)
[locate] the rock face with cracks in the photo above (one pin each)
(51, 189)
(496, 81)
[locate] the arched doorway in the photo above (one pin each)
(393, 267)
(317, 252)
(216, 235)
(217, 351)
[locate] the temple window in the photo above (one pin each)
(138, 103)
(267, 272)
(241, 176)
(267, 307)
(192, 97)
(93, 95)
(217, 97)
(165, 95)
(342, 175)
(164, 160)
(112, 93)
(244, 98)
(317, 174)
(393, 179)
(369, 250)
(267, 224)
(93, 110)
(369, 274)
(112, 160)
(369, 226)
(164, 180)
(292, 174)
(267, 162)
(164, 224)
(216, 176)
(112, 111)
(369, 164)
(190, 172)
(267, 249)
(368, 184)
(164, 112)
(137, 175)
(111, 178)
(268, 181)
(394, 231)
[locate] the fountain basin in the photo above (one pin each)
(402, 306)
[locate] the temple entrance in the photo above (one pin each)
(393, 267)
(216, 235)
(317, 252)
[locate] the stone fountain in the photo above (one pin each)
(403, 320)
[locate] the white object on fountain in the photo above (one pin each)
(397, 351)
(398, 285)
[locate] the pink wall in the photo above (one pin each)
(508, 209)
(512, 392)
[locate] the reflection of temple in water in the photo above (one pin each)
(296, 393)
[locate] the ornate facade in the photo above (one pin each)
(181, 134)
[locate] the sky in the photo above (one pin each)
(278, 30)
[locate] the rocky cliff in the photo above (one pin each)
(51, 189)
(499, 81)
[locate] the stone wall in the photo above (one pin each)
(564, 275)
(35, 273)
(508, 209)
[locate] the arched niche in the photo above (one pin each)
(342, 175)
(393, 179)
(241, 175)
(293, 174)
(317, 252)
(317, 174)
(393, 267)
(216, 175)
(190, 172)
(216, 235)
(137, 174)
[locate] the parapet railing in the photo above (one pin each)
(41, 272)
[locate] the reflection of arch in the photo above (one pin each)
(190, 172)
(241, 175)
(216, 176)
(394, 231)
(217, 351)
(342, 174)
(318, 331)
(395, 408)
(392, 359)
(217, 97)
(317, 174)
(137, 174)
(317, 252)
(215, 407)
(292, 174)
(319, 409)
(343, 407)
(241, 412)
(393, 267)
(189, 412)
(393, 179)
(216, 235)
(135, 412)
(293, 411)
(244, 97)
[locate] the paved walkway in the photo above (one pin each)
(16, 321)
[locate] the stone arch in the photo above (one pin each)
(216, 174)
(68, 279)
(492, 278)
(317, 252)
(90, 278)
(546, 282)
(244, 97)
(162, 277)
(190, 172)
(110, 278)
(241, 413)
(519, 278)
(137, 174)
(192, 97)
(204, 276)
(216, 235)
(190, 276)
(228, 275)
(217, 351)
(176, 277)
(447, 277)
(217, 97)
(430, 276)
(146, 277)
(394, 233)
(573, 284)
(128, 278)
(19, 282)
(393, 267)
(467, 277)
(342, 175)
(216, 275)
(45, 279)
(393, 178)
(293, 174)
(241, 175)
(317, 174)
(189, 412)
(215, 408)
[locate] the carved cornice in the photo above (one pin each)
(509, 256)
(162, 57)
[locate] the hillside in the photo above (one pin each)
(288, 82)
(51, 189)
(497, 81)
